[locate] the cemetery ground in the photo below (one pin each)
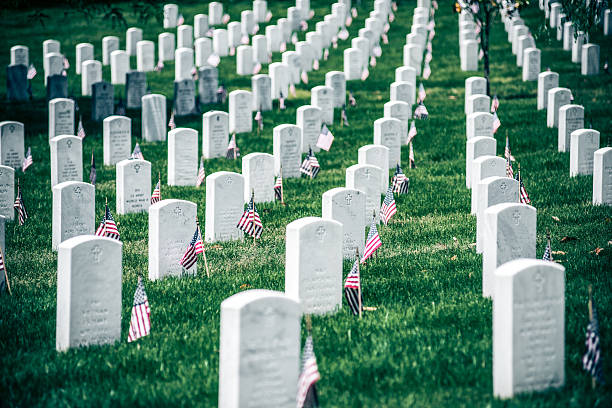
(429, 343)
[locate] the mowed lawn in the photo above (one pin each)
(429, 343)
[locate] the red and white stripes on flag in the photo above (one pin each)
(156, 196)
(496, 122)
(140, 323)
(250, 222)
(31, 72)
(171, 123)
(196, 246)
(137, 153)
(388, 208)
(494, 104)
(27, 160)
(422, 93)
(108, 227)
(412, 163)
(411, 133)
(278, 188)
(81, 129)
(400, 183)
(373, 241)
(201, 174)
(19, 206)
(308, 376)
(352, 289)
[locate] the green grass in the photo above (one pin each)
(429, 342)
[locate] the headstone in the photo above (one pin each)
(509, 234)
(20, 55)
(240, 112)
(577, 42)
(50, 46)
(220, 42)
(469, 52)
(274, 38)
(117, 139)
(353, 64)
(590, 59)
(557, 97)
(91, 73)
(89, 274)
(476, 147)
(413, 57)
(132, 36)
(478, 103)
(61, 117)
(337, 82)
(309, 121)
(17, 83)
(607, 29)
(54, 64)
(184, 36)
(584, 143)
(215, 13)
(200, 25)
(244, 60)
(259, 350)
(154, 118)
(120, 65)
(258, 172)
(261, 86)
(571, 117)
(203, 50)
(66, 159)
(491, 191)
(387, 132)
(366, 178)
(133, 190)
(145, 56)
(293, 61)
(568, 35)
(602, 176)
(474, 86)
(73, 211)
(531, 64)
(182, 157)
(279, 75)
(524, 42)
(260, 49)
(57, 87)
(322, 97)
(234, 34)
(224, 206)
(170, 15)
(135, 89)
(306, 54)
(287, 140)
(7, 192)
(247, 22)
(166, 46)
(313, 264)
(110, 43)
(84, 52)
(2, 234)
(102, 101)
(215, 129)
(483, 167)
(185, 97)
(347, 206)
(171, 227)
(208, 83)
(260, 9)
(399, 110)
(517, 32)
(363, 45)
(546, 81)
(183, 60)
(376, 155)
(294, 16)
(479, 124)
(11, 144)
(528, 327)
(555, 10)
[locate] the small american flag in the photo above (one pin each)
(365, 74)
(509, 158)
(480, 54)
(385, 38)
(283, 47)
(421, 111)
(137, 153)
(325, 54)
(509, 169)
(259, 119)
(31, 72)
(108, 227)
(232, 51)
(221, 94)
(194, 74)
(66, 63)
(494, 104)
(307, 390)
(81, 129)
(496, 122)
(315, 65)
(27, 160)
(268, 16)
(294, 38)
(232, 149)
(196, 246)
(388, 208)
(310, 166)
(303, 25)
(372, 61)
(326, 138)
(304, 77)
(411, 133)
(159, 66)
(250, 222)
(591, 360)
(120, 109)
(292, 90)
(373, 241)
(93, 174)
(225, 19)
(422, 93)
(180, 20)
(411, 157)
(278, 188)
(140, 324)
(19, 206)
(348, 21)
(352, 289)
(3, 275)
(354, 12)
(156, 196)
(523, 196)
(400, 183)
(548, 251)
(352, 100)
(426, 71)
(171, 123)
(281, 102)
(343, 118)
(201, 173)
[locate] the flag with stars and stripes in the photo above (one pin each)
(400, 183)
(591, 360)
(494, 104)
(411, 133)
(159, 66)
(373, 241)
(352, 289)
(281, 102)
(3, 275)
(232, 151)
(310, 166)
(27, 160)
(19, 206)
(171, 123)
(509, 169)
(250, 222)
(259, 119)
(201, 173)
(81, 129)
(326, 138)
(66, 63)
(278, 188)
(388, 208)
(343, 118)
(422, 93)
(421, 111)
(426, 71)
(307, 391)
(140, 324)
(31, 72)
(196, 246)
(221, 94)
(496, 122)
(108, 227)
(156, 196)
(412, 163)
(93, 174)
(180, 20)
(352, 100)
(523, 196)
(548, 251)
(137, 153)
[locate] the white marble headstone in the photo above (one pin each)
(287, 141)
(240, 111)
(133, 186)
(224, 206)
(182, 157)
(602, 176)
(366, 178)
(154, 118)
(117, 139)
(215, 138)
(66, 159)
(347, 206)
(258, 173)
(11, 144)
(584, 143)
(73, 211)
(309, 121)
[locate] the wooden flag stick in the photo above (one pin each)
(253, 209)
(593, 381)
(359, 289)
(282, 192)
(308, 324)
(8, 285)
(203, 253)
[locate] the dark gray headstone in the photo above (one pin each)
(57, 87)
(102, 101)
(135, 88)
(17, 82)
(184, 97)
(208, 84)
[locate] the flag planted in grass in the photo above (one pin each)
(140, 323)
(412, 163)
(108, 227)
(310, 166)
(93, 174)
(233, 152)
(326, 138)
(201, 173)
(307, 392)
(259, 119)
(196, 246)
(19, 206)
(250, 222)
(156, 196)
(388, 208)
(27, 160)
(137, 153)
(494, 104)
(496, 122)
(373, 241)
(352, 100)
(400, 183)
(81, 129)
(422, 93)
(426, 71)
(411, 133)
(548, 251)
(171, 123)
(31, 72)
(421, 111)
(278, 188)
(343, 118)
(591, 360)
(352, 289)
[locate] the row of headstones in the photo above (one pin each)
(583, 52)
(468, 42)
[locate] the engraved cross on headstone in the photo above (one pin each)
(348, 198)
(96, 252)
(517, 217)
